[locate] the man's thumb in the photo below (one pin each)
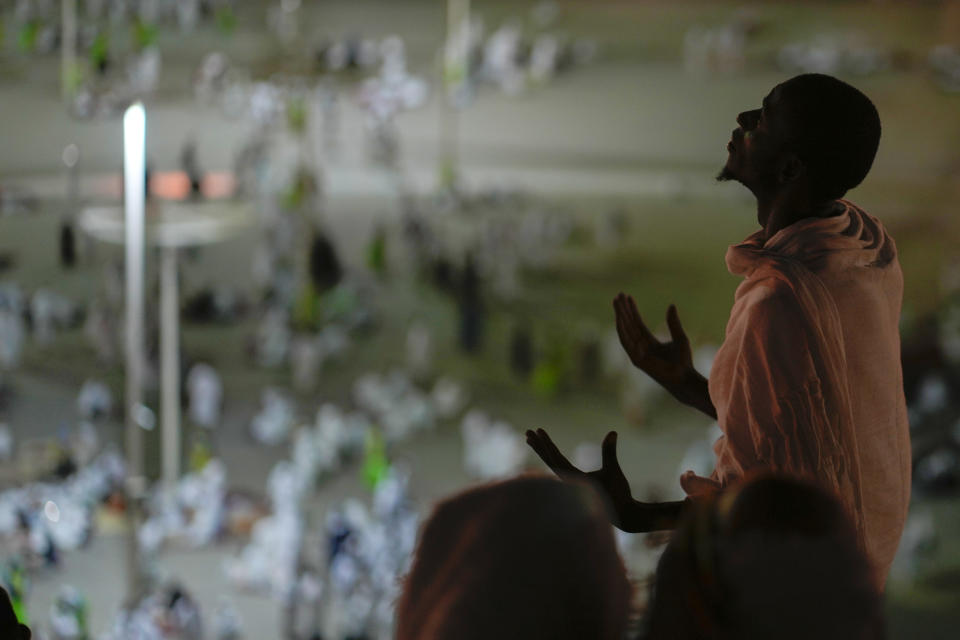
(673, 322)
(610, 451)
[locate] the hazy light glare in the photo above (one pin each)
(71, 154)
(145, 417)
(134, 158)
(52, 511)
(134, 179)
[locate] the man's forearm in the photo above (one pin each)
(644, 517)
(695, 393)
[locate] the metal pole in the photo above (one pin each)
(456, 51)
(134, 165)
(71, 159)
(170, 366)
(68, 48)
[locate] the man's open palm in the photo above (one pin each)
(609, 476)
(669, 363)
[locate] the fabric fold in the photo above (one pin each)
(808, 380)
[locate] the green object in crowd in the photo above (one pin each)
(448, 175)
(297, 115)
(304, 185)
(226, 19)
(200, 455)
(546, 379)
(99, 49)
(74, 77)
(28, 36)
(554, 369)
(144, 34)
(307, 309)
(377, 252)
(82, 610)
(375, 462)
(16, 582)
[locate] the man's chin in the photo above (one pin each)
(726, 174)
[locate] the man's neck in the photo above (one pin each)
(781, 211)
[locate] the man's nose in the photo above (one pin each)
(748, 119)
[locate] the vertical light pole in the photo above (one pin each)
(71, 159)
(170, 366)
(455, 69)
(134, 196)
(68, 237)
(68, 47)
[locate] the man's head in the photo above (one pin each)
(812, 130)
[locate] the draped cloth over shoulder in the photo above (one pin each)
(808, 380)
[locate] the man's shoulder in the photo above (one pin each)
(873, 235)
(768, 284)
(768, 295)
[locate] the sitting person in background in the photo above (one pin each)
(10, 627)
(770, 558)
(527, 558)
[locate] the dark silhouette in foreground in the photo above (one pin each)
(526, 559)
(770, 558)
(10, 628)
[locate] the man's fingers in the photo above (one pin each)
(673, 321)
(620, 312)
(609, 450)
(536, 443)
(614, 481)
(637, 320)
(630, 326)
(621, 306)
(624, 334)
(557, 461)
(549, 446)
(532, 440)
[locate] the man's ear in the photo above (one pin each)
(791, 168)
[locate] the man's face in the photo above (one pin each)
(755, 149)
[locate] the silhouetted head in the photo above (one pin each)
(523, 559)
(812, 131)
(772, 558)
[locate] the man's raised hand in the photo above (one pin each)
(669, 363)
(609, 476)
(541, 443)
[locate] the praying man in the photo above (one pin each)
(808, 380)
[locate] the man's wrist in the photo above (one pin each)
(645, 517)
(690, 385)
(697, 393)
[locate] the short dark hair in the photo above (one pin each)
(836, 131)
